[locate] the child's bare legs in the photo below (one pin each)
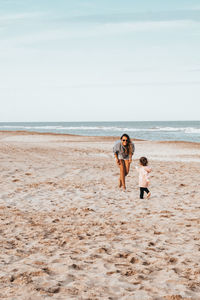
(142, 190)
(148, 195)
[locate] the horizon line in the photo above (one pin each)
(188, 120)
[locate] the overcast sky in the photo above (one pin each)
(99, 60)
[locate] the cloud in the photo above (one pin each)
(194, 70)
(147, 16)
(131, 84)
(97, 30)
(102, 85)
(197, 8)
(85, 26)
(145, 26)
(19, 16)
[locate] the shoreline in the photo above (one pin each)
(109, 138)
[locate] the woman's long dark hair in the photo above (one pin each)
(128, 146)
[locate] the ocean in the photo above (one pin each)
(147, 130)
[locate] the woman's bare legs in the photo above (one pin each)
(127, 167)
(124, 170)
(122, 173)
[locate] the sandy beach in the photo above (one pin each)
(68, 232)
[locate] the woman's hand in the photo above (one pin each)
(118, 161)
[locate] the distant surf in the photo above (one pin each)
(149, 130)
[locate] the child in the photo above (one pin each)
(144, 171)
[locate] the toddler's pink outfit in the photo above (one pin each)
(143, 176)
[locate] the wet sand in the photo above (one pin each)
(68, 232)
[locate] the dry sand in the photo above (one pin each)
(68, 232)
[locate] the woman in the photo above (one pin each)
(123, 151)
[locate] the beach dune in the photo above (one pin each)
(68, 232)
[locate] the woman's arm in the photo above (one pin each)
(116, 152)
(117, 159)
(131, 151)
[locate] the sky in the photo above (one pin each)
(99, 60)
